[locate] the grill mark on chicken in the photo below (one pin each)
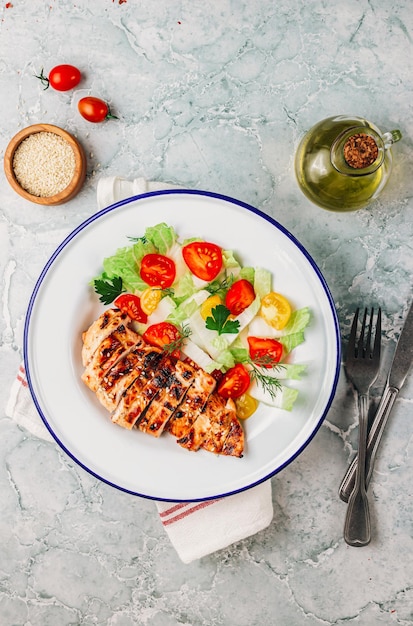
(137, 398)
(105, 325)
(138, 363)
(234, 442)
(180, 379)
(226, 433)
(108, 352)
(211, 428)
(193, 403)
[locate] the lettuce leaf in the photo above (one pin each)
(262, 282)
(293, 333)
(239, 353)
(125, 263)
(184, 288)
(229, 261)
(284, 397)
(188, 307)
(298, 321)
(161, 236)
(292, 341)
(248, 274)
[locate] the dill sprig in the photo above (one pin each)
(218, 286)
(167, 291)
(270, 384)
(136, 239)
(175, 345)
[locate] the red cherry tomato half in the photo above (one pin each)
(239, 296)
(265, 351)
(203, 259)
(131, 305)
(161, 335)
(61, 77)
(235, 382)
(158, 270)
(94, 109)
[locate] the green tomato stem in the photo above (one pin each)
(109, 115)
(43, 79)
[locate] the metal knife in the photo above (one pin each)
(399, 369)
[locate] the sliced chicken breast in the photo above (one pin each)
(210, 431)
(101, 328)
(140, 362)
(180, 379)
(234, 443)
(108, 352)
(220, 426)
(193, 403)
(137, 398)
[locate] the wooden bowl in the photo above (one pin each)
(79, 172)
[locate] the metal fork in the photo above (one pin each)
(362, 367)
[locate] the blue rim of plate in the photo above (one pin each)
(218, 196)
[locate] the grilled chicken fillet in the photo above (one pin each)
(143, 387)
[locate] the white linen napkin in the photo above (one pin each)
(195, 529)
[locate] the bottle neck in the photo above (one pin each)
(357, 151)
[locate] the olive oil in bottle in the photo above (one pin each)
(343, 163)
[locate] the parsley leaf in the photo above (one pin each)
(219, 321)
(108, 288)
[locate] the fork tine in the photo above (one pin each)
(360, 348)
(368, 342)
(352, 338)
(377, 338)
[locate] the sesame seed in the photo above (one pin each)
(44, 164)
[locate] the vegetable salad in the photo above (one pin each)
(195, 300)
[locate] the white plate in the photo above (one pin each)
(63, 305)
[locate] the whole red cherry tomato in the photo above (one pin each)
(131, 305)
(61, 77)
(94, 109)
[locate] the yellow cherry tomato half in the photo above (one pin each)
(276, 310)
(209, 304)
(245, 405)
(150, 298)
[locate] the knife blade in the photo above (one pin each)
(402, 359)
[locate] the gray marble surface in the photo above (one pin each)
(211, 95)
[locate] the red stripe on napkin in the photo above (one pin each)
(21, 376)
(189, 509)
